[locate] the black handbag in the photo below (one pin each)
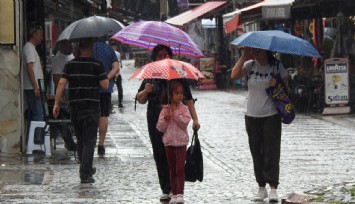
(194, 160)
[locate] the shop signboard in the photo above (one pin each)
(7, 22)
(207, 67)
(276, 12)
(336, 83)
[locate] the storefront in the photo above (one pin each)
(16, 18)
(210, 40)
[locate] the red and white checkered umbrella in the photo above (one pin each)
(168, 69)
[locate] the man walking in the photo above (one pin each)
(32, 71)
(85, 76)
(118, 78)
(107, 56)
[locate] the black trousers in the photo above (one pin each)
(86, 123)
(161, 161)
(265, 143)
(119, 88)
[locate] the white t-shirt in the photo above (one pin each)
(259, 104)
(118, 56)
(59, 61)
(30, 55)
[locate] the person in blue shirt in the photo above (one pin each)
(105, 54)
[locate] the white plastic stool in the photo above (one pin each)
(30, 143)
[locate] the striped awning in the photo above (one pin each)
(196, 13)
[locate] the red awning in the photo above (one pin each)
(195, 13)
(267, 9)
(232, 25)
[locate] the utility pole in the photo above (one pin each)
(163, 8)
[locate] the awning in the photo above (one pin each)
(267, 9)
(196, 13)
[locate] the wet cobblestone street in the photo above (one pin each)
(317, 153)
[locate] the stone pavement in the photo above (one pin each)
(317, 152)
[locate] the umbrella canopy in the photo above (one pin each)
(147, 34)
(91, 27)
(277, 41)
(168, 69)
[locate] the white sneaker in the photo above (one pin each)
(273, 198)
(173, 199)
(262, 194)
(180, 199)
(165, 197)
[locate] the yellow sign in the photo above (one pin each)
(7, 22)
(310, 27)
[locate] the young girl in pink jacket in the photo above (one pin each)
(173, 121)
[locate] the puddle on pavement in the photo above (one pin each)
(57, 157)
(22, 177)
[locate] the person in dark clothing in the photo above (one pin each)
(118, 82)
(85, 76)
(106, 55)
(155, 92)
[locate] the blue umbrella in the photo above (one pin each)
(277, 41)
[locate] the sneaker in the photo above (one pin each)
(180, 199)
(100, 150)
(173, 199)
(262, 194)
(165, 197)
(273, 198)
(88, 180)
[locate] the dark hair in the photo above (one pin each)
(271, 58)
(85, 43)
(158, 48)
(173, 85)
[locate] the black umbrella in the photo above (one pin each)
(91, 27)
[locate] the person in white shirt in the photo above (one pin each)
(262, 121)
(63, 55)
(118, 79)
(32, 71)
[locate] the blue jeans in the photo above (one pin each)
(35, 111)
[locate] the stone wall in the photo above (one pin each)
(10, 102)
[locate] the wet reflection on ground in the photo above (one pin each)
(60, 156)
(31, 176)
(22, 177)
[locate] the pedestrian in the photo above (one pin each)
(107, 56)
(32, 71)
(85, 76)
(153, 91)
(118, 78)
(173, 121)
(262, 121)
(63, 55)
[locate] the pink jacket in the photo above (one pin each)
(175, 130)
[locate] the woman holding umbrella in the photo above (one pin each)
(262, 121)
(154, 91)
